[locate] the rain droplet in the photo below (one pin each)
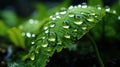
(43, 37)
(45, 28)
(64, 12)
(90, 19)
(107, 9)
(57, 13)
(32, 42)
(78, 22)
(52, 25)
(71, 7)
(92, 13)
(32, 57)
(33, 35)
(99, 8)
(44, 43)
(84, 5)
(53, 18)
(71, 15)
(114, 11)
(59, 42)
(47, 31)
(52, 37)
(84, 28)
(75, 30)
(58, 17)
(118, 17)
(79, 5)
(65, 25)
(48, 49)
(31, 21)
(67, 36)
(28, 34)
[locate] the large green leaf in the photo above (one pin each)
(61, 32)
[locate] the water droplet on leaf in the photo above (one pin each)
(67, 36)
(66, 24)
(84, 5)
(44, 43)
(32, 57)
(28, 34)
(78, 22)
(71, 15)
(84, 28)
(52, 37)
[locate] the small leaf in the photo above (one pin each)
(16, 37)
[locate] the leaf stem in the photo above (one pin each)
(96, 51)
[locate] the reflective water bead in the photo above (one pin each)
(28, 34)
(43, 37)
(114, 11)
(84, 5)
(75, 30)
(52, 37)
(84, 28)
(52, 25)
(107, 9)
(32, 42)
(59, 42)
(33, 35)
(57, 13)
(64, 12)
(32, 57)
(44, 43)
(99, 8)
(71, 15)
(49, 49)
(79, 5)
(67, 36)
(118, 17)
(45, 28)
(53, 18)
(78, 22)
(90, 19)
(47, 31)
(58, 17)
(37, 49)
(31, 21)
(71, 7)
(66, 24)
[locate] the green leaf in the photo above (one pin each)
(16, 37)
(95, 2)
(61, 31)
(3, 29)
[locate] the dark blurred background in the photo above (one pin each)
(25, 8)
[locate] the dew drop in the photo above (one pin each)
(90, 19)
(99, 7)
(32, 42)
(33, 35)
(71, 7)
(107, 9)
(32, 57)
(58, 17)
(79, 5)
(31, 21)
(44, 43)
(49, 49)
(78, 22)
(28, 34)
(67, 36)
(84, 28)
(47, 31)
(65, 25)
(75, 30)
(71, 15)
(52, 37)
(63, 12)
(84, 5)
(114, 11)
(52, 25)
(57, 13)
(53, 18)
(118, 17)
(59, 42)
(43, 37)
(45, 28)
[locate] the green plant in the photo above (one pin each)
(39, 40)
